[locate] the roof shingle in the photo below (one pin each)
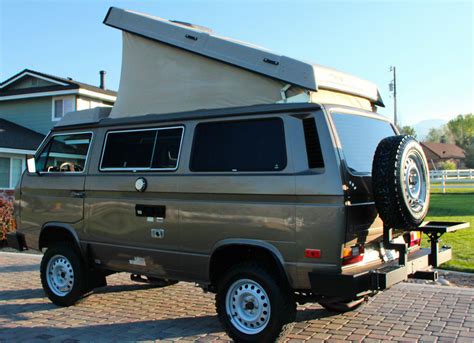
(13, 136)
(445, 150)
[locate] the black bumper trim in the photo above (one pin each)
(16, 241)
(372, 280)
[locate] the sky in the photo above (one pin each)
(429, 42)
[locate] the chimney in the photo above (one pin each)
(102, 79)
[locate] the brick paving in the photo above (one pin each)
(127, 311)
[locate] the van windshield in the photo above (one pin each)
(359, 136)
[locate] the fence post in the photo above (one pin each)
(443, 182)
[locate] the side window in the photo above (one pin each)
(250, 145)
(148, 149)
(128, 149)
(65, 153)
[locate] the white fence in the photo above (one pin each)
(460, 178)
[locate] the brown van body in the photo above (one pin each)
(211, 217)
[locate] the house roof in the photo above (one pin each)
(445, 150)
(59, 83)
(10, 133)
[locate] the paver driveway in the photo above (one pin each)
(129, 311)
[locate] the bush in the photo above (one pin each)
(448, 165)
(7, 223)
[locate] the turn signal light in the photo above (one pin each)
(352, 255)
(415, 238)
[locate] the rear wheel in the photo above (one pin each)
(401, 182)
(253, 305)
(63, 275)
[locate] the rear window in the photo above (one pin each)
(148, 149)
(359, 136)
(252, 145)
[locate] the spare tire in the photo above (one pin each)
(400, 181)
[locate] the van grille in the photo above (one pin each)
(313, 147)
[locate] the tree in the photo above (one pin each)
(470, 156)
(462, 130)
(439, 135)
(408, 130)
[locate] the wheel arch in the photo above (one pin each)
(55, 232)
(232, 251)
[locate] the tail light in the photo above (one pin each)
(353, 254)
(415, 238)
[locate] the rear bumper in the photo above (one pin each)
(16, 240)
(357, 283)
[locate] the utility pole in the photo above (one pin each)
(393, 89)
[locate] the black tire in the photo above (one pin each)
(342, 306)
(71, 261)
(395, 193)
(280, 298)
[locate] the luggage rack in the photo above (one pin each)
(434, 230)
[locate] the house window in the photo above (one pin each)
(63, 105)
(10, 172)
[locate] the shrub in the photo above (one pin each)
(448, 165)
(7, 223)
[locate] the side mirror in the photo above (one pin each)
(31, 165)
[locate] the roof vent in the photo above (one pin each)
(193, 26)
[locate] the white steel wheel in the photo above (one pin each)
(60, 275)
(414, 181)
(248, 306)
(63, 274)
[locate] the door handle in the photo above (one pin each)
(156, 211)
(78, 194)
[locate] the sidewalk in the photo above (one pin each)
(127, 311)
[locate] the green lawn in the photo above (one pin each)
(455, 207)
(470, 188)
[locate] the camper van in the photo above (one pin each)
(263, 179)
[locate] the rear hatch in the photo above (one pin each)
(358, 136)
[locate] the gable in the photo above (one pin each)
(29, 81)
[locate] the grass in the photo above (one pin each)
(450, 190)
(455, 207)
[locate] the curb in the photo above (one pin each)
(454, 272)
(20, 254)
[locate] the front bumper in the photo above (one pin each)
(16, 240)
(356, 283)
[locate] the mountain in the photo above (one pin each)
(423, 127)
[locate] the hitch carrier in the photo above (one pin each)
(434, 230)
(363, 281)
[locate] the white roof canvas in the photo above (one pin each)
(172, 67)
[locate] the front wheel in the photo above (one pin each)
(253, 305)
(63, 275)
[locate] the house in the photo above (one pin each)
(30, 104)
(438, 153)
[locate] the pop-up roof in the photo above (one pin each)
(171, 66)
